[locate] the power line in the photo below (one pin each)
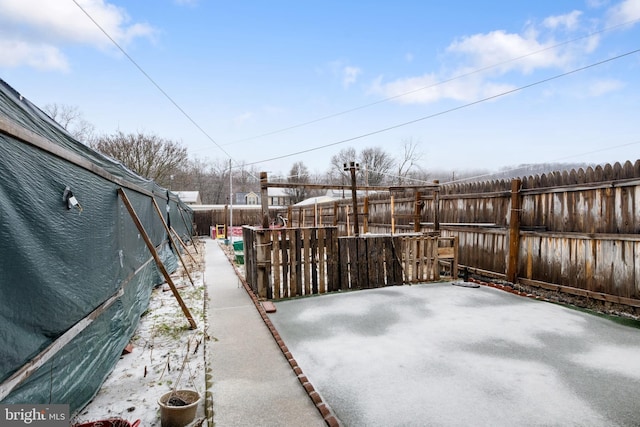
(166, 95)
(450, 110)
(456, 77)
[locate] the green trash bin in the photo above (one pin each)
(238, 245)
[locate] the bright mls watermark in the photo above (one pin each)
(34, 415)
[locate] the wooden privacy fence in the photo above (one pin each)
(574, 231)
(289, 262)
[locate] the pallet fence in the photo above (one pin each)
(285, 263)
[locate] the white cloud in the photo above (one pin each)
(510, 51)
(42, 28)
(604, 86)
(43, 57)
(349, 75)
(485, 62)
(186, 2)
(596, 4)
(428, 89)
(570, 21)
(242, 118)
(623, 12)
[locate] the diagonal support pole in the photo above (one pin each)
(184, 221)
(175, 233)
(156, 257)
(173, 242)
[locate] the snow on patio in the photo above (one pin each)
(437, 354)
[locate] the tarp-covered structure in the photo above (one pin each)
(75, 273)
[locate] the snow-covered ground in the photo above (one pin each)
(442, 355)
(165, 354)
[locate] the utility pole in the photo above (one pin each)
(230, 231)
(353, 167)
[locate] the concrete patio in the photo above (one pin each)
(443, 355)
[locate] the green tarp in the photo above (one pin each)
(73, 280)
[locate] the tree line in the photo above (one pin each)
(167, 162)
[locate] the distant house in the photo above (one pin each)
(189, 197)
(249, 198)
(278, 197)
(252, 198)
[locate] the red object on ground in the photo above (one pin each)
(128, 349)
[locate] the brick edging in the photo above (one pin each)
(325, 410)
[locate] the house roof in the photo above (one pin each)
(277, 192)
(189, 196)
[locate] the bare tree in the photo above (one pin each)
(375, 163)
(71, 119)
(337, 173)
(299, 174)
(147, 155)
(409, 159)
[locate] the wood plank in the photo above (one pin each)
(434, 255)
(277, 265)
(372, 261)
(446, 252)
(285, 262)
(322, 260)
(345, 273)
(333, 260)
(306, 260)
(293, 261)
(314, 261)
(156, 257)
(354, 261)
(415, 253)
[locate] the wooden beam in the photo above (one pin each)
(416, 212)
(52, 349)
(264, 195)
(156, 257)
(514, 231)
(185, 224)
(173, 242)
(14, 130)
(324, 186)
(175, 233)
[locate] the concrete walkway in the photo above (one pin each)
(253, 384)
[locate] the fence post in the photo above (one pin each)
(436, 206)
(263, 264)
(514, 231)
(416, 212)
(365, 216)
(393, 215)
(264, 194)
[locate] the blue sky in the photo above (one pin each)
(299, 81)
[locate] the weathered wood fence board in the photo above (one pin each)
(289, 262)
(578, 230)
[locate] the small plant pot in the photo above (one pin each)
(178, 408)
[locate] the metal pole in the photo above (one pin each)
(352, 167)
(230, 233)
